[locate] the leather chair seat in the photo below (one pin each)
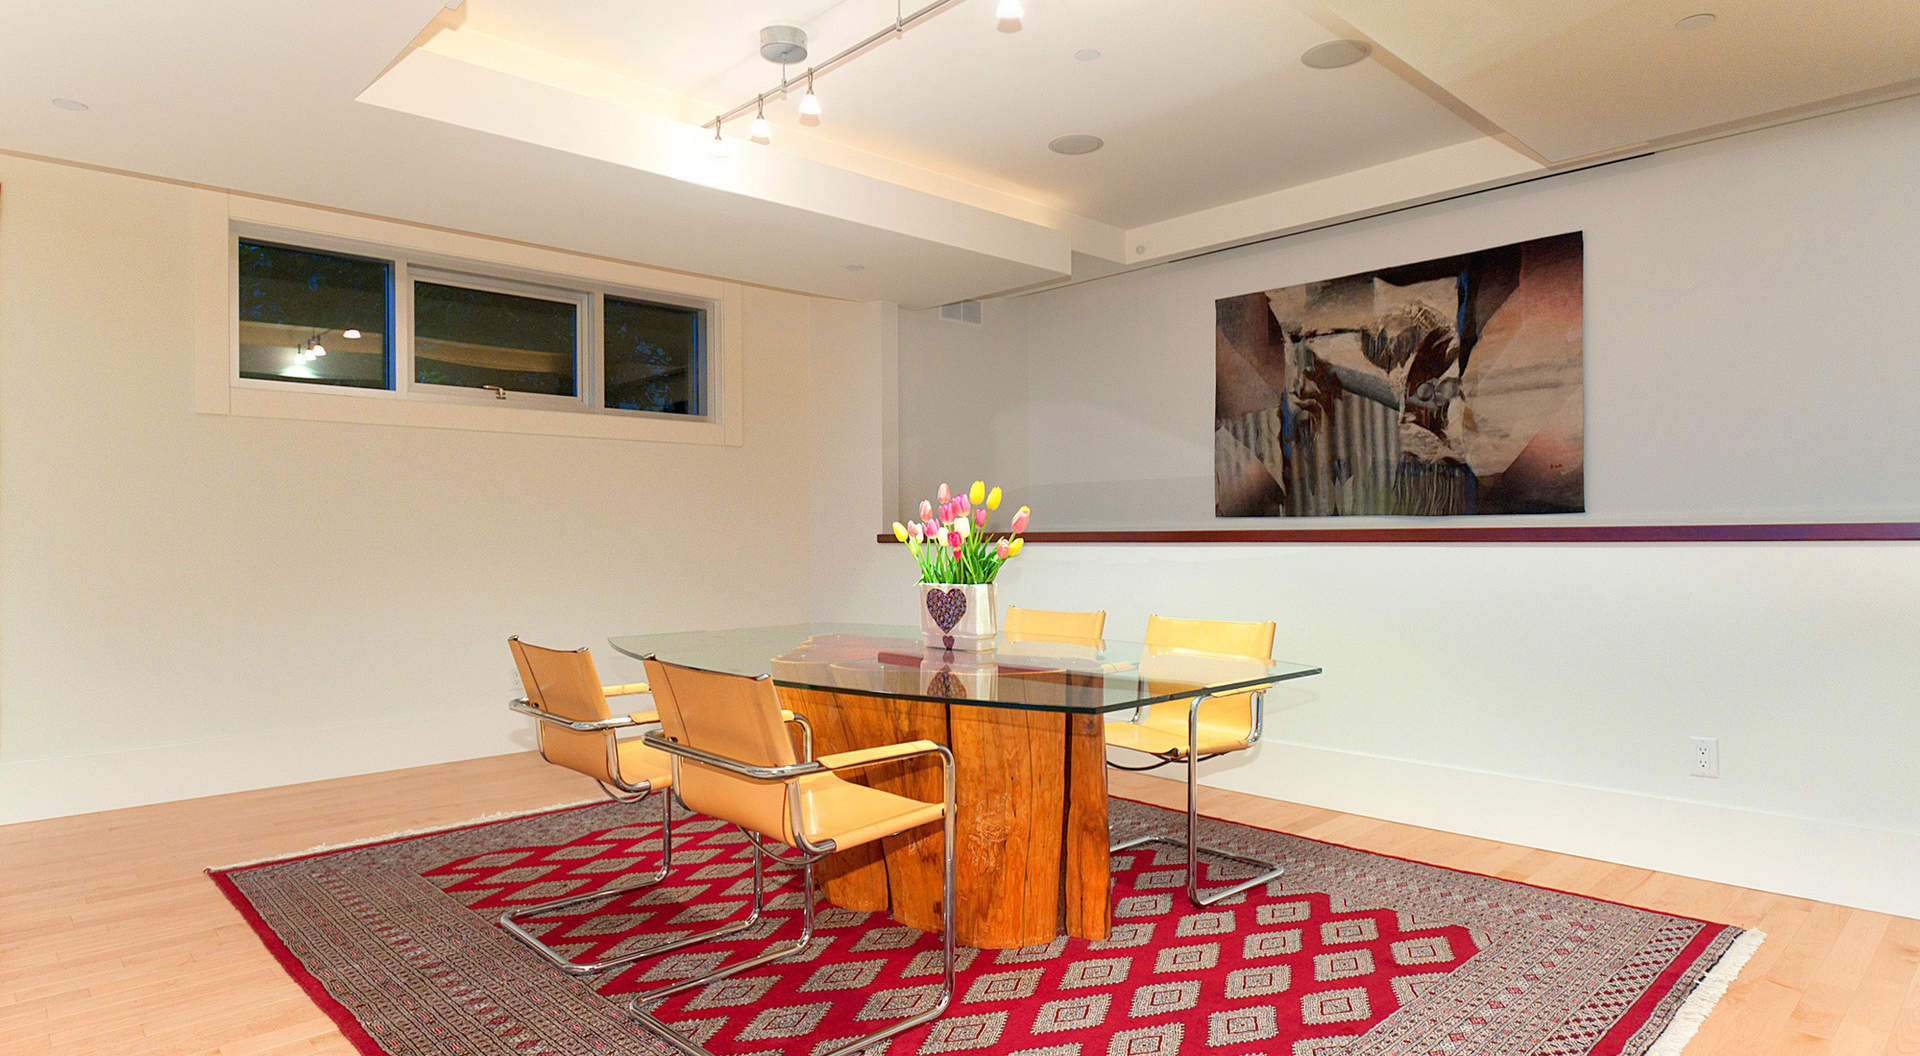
(641, 763)
(1169, 741)
(849, 814)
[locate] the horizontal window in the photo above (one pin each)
(653, 355)
(315, 318)
(341, 319)
(486, 339)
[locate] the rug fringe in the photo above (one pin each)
(400, 834)
(1711, 988)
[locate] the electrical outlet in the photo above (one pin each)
(513, 685)
(1705, 758)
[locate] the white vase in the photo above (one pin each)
(959, 617)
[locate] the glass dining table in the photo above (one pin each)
(1025, 722)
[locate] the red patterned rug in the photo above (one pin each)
(1348, 953)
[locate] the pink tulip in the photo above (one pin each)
(962, 506)
(943, 494)
(953, 540)
(933, 530)
(926, 510)
(1003, 551)
(1020, 520)
(980, 516)
(946, 512)
(914, 532)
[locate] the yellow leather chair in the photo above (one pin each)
(1195, 729)
(733, 760)
(1044, 625)
(576, 730)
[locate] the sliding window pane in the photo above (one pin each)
(314, 318)
(653, 357)
(470, 338)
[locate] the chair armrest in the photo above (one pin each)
(644, 718)
(615, 723)
(626, 689)
(885, 753)
(658, 739)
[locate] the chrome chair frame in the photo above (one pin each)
(622, 792)
(1193, 758)
(809, 854)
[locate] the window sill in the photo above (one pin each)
(427, 414)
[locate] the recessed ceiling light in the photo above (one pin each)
(1076, 144)
(1699, 21)
(856, 267)
(1336, 53)
(1087, 54)
(70, 104)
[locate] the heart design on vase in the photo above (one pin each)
(944, 684)
(946, 607)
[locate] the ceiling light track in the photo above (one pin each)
(899, 26)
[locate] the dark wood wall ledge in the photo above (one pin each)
(1844, 531)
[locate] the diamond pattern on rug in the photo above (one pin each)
(1319, 962)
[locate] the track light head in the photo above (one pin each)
(809, 104)
(717, 147)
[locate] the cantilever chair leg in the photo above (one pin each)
(1269, 871)
(638, 1006)
(510, 921)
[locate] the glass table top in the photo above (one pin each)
(1085, 675)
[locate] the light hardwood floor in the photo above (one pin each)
(113, 941)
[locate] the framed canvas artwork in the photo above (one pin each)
(1444, 388)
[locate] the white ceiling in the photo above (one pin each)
(1573, 78)
(573, 123)
(1199, 103)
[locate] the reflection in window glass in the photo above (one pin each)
(653, 357)
(471, 338)
(315, 318)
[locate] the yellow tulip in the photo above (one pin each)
(900, 531)
(1013, 549)
(993, 499)
(978, 493)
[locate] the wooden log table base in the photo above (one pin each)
(1030, 792)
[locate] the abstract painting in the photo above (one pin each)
(1444, 388)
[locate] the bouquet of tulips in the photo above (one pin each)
(950, 539)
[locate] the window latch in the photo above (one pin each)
(499, 393)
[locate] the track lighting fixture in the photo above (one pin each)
(788, 44)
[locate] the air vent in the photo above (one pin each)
(967, 312)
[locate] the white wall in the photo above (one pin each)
(192, 604)
(1750, 312)
(1750, 306)
(961, 405)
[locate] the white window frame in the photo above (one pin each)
(459, 259)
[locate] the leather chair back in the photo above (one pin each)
(734, 717)
(563, 682)
(1254, 641)
(1045, 625)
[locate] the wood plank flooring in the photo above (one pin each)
(113, 941)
